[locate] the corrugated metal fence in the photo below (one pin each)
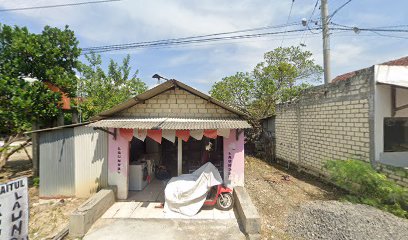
(73, 162)
(91, 161)
(57, 170)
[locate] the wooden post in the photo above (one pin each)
(35, 150)
(393, 100)
(179, 156)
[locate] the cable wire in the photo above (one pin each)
(196, 37)
(183, 42)
(338, 9)
(387, 35)
(287, 21)
(219, 37)
(378, 29)
(308, 21)
(57, 5)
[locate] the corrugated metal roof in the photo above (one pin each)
(57, 128)
(171, 123)
(156, 91)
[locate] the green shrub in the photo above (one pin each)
(36, 181)
(368, 186)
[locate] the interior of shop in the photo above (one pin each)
(152, 164)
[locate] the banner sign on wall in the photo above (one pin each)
(234, 159)
(14, 209)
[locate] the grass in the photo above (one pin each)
(36, 182)
(367, 186)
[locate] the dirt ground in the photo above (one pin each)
(47, 217)
(276, 192)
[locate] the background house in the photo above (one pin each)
(361, 115)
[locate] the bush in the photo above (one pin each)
(36, 182)
(367, 186)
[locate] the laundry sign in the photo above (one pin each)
(234, 159)
(14, 209)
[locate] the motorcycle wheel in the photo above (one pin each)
(225, 201)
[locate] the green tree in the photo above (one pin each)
(100, 90)
(283, 74)
(237, 90)
(50, 56)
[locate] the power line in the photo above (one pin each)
(192, 41)
(183, 42)
(205, 41)
(338, 9)
(381, 27)
(374, 29)
(57, 5)
(310, 19)
(387, 35)
(287, 21)
(195, 37)
(225, 42)
(378, 29)
(226, 36)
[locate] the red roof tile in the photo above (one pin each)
(397, 62)
(344, 77)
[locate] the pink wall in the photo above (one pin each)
(234, 159)
(118, 164)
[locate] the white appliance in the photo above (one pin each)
(138, 173)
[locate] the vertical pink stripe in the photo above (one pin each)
(234, 159)
(118, 154)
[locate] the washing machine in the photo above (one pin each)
(138, 174)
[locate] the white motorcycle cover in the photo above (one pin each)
(186, 193)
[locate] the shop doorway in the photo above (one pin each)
(152, 164)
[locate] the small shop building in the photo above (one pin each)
(169, 130)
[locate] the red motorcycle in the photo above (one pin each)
(221, 197)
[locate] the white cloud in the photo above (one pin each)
(135, 21)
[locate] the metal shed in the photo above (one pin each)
(57, 176)
(73, 161)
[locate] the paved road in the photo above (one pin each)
(168, 229)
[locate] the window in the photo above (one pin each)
(396, 134)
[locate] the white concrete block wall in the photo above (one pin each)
(328, 122)
(176, 103)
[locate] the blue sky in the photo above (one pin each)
(201, 65)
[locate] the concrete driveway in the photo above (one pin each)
(177, 229)
(142, 220)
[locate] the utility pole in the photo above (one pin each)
(326, 40)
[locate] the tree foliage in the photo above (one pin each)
(279, 78)
(50, 56)
(236, 90)
(100, 90)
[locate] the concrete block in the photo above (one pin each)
(85, 215)
(248, 215)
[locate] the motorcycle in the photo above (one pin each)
(220, 196)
